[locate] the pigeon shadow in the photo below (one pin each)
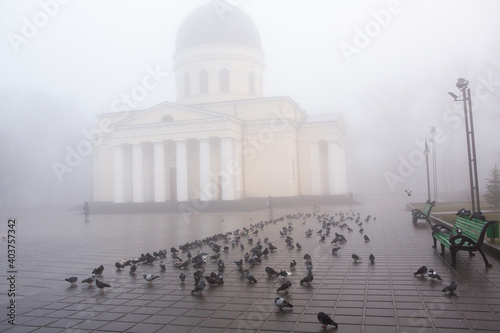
(282, 313)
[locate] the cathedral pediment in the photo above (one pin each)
(167, 113)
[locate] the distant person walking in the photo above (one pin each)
(86, 211)
(316, 206)
(270, 204)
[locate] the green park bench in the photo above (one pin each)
(418, 214)
(467, 234)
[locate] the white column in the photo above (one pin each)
(181, 169)
(237, 168)
(206, 188)
(227, 178)
(336, 168)
(159, 171)
(118, 174)
(315, 168)
(342, 171)
(137, 173)
(95, 172)
(332, 166)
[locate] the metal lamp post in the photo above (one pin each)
(462, 85)
(426, 153)
(434, 167)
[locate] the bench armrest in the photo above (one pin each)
(462, 239)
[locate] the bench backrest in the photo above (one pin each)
(427, 208)
(472, 228)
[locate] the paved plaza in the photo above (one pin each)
(53, 244)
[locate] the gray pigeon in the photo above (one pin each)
(450, 289)
(250, 277)
(198, 290)
(150, 277)
(271, 272)
(326, 320)
(421, 271)
(98, 270)
(356, 257)
(434, 275)
(335, 250)
(372, 258)
(285, 286)
(101, 285)
(72, 279)
(282, 303)
(89, 280)
(308, 278)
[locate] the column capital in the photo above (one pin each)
(157, 141)
(135, 143)
(202, 138)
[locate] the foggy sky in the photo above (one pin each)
(385, 65)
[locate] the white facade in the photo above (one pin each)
(222, 140)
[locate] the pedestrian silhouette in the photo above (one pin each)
(86, 211)
(270, 204)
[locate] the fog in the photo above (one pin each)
(386, 66)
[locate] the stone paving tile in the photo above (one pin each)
(116, 326)
(89, 325)
(19, 329)
(415, 329)
(144, 328)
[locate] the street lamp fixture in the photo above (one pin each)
(426, 153)
(462, 85)
(453, 95)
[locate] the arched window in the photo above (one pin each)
(187, 85)
(251, 83)
(167, 119)
(224, 80)
(203, 81)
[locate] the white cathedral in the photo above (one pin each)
(222, 140)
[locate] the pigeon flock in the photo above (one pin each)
(448, 289)
(253, 245)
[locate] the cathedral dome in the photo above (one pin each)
(217, 23)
